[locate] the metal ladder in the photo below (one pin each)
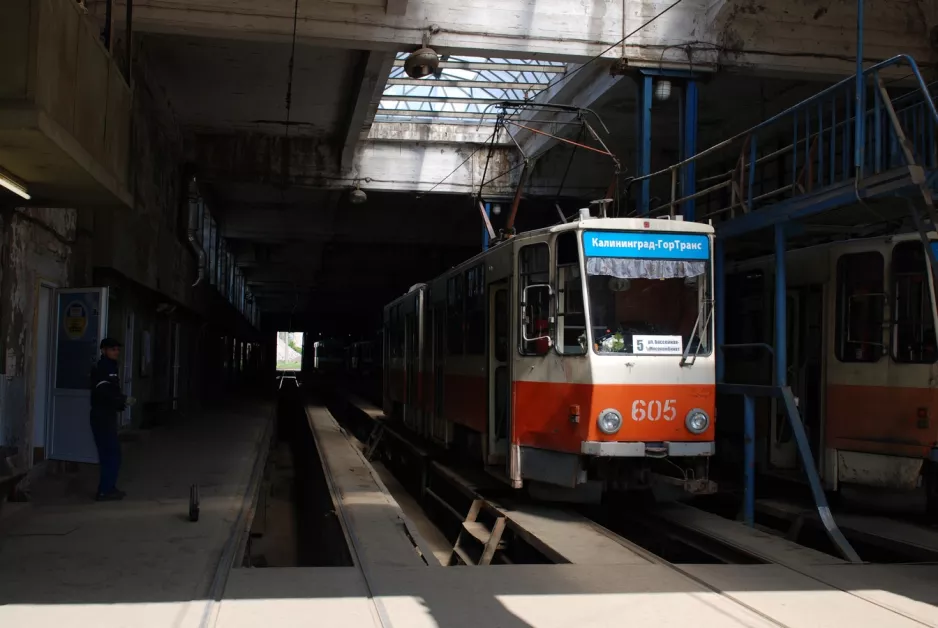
(374, 439)
(917, 174)
(478, 539)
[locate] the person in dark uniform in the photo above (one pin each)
(107, 401)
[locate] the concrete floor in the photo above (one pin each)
(68, 561)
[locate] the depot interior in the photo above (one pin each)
(207, 193)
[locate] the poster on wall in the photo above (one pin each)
(77, 338)
(146, 355)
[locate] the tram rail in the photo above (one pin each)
(534, 532)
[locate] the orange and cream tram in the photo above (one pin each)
(862, 360)
(575, 356)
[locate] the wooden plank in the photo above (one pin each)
(477, 530)
(768, 547)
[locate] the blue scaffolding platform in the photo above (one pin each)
(864, 147)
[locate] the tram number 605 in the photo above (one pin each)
(654, 410)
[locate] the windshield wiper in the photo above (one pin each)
(708, 304)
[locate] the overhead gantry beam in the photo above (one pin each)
(785, 37)
(385, 164)
(371, 78)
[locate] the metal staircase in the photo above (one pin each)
(850, 156)
(803, 161)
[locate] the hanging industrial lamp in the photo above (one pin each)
(357, 196)
(422, 62)
(662, 89)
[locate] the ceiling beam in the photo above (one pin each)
(458, 83)
(421, 113)
(397, 7)
(371, 75)
(489, 65)
(386, 165)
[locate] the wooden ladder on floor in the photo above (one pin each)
(476, 538)
(374, 439)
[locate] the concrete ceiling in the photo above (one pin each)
(226, 85)
(312, 258)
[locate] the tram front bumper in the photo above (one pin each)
(677, 449)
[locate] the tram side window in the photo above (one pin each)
(860, 301)
(534, 273)
(571, 318)
(475, 310)
(454, 316)
(913, 332)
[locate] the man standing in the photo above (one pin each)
(107, 401)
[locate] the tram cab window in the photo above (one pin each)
(534, 293)
(860, 302)
(571, 316)
(667, 299)
(913, 332)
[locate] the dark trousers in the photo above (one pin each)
(104, 430)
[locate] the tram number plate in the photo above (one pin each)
(654, 410)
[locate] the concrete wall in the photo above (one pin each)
(140, 252)
(36, 248)
(66, 109)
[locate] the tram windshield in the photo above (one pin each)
(648, 292)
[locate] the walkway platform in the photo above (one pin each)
(66, 560)
(378, 532)
(590, 596)
(768, 547)
(875, 530)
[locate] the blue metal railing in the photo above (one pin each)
(820, 153)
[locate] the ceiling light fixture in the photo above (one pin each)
(10, 183)
(357, 196)
(421, 62)
(662, 89)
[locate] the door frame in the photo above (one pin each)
(796, 321)
(52, 314)
(497, 451)
(127, 374)
(103, 308)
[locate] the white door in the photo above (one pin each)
(80, 324)
(42, 371)
(127, 372)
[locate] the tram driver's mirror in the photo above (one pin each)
(536, 324)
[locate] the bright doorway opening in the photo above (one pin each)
(289, 350)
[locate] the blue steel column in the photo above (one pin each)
(643, 146)
(781, 325)
(749, 448)
(485, 231)
(719, 278)
(689, 172)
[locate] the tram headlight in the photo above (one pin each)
(697, 421)
(610, 421)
